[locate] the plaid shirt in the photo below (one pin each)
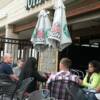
(57, 84)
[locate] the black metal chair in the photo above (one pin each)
(12, 89)
(77, 72)
(19, 95)
(68, 90)
(42, 94)
(75, 91)
(7, 86)
(58, 90)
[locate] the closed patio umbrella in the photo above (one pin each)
(40, 33)
(59, 37)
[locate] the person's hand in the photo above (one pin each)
(98, 89)
(80, 82)
(14, 77)
(43, 74)
(48, 74)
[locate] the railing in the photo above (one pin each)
(17, 47)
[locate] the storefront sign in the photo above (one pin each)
(32, 3)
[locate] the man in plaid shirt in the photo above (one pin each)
(57, 82)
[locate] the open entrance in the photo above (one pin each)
(80, 55)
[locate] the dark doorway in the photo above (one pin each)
(80, 55)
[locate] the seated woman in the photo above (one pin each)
(92, 78)
(30, 70)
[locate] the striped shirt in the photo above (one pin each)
(63, 75)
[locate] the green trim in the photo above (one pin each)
(66, 31)
(46, 32)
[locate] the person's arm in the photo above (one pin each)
(39, 77)
(98, 89)
(48, 81)
(9, 71)
(22, 75)
(14, 77)
(85, 83)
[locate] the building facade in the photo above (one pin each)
(18, 19)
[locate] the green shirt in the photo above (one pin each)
(93, 82)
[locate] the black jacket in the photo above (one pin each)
(37, 77)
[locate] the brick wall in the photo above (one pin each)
(48, 60)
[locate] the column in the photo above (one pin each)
(48, 60)
(11, 47)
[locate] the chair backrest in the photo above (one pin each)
(7, 86)
(81, 74)
(74, 71)
(66, 90)
(75, 91)
(4, 77)
(42, 94)
(23, 87)
(58, 89)
(78, 73)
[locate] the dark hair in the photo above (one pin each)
(96, 65)
(31, 63)
(29, 68)
(66, 62)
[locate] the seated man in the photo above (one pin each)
(5, 67)
(58, 91)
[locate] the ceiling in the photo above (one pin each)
(4, 3)
(25, 34)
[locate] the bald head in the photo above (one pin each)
(7, 58)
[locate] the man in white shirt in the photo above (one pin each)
(19, 67)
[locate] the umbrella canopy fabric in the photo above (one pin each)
(40, 33)
(59, 36)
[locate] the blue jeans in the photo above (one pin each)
(91, 96)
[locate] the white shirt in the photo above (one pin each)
(17, 71)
